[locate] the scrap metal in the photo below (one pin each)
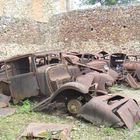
(53, 131)
(115, 111)
(80, 81)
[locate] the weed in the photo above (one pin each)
(26, 106)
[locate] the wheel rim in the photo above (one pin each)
(74, 106)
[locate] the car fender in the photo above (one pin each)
(75, 86)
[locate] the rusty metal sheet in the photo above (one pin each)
(86, 79)
(113, 74)
(72, 58)
(23, 86)
(129, 113)
(56, 131)
(104, 81)
(57, 76)
(7, 111)
(137, 72)
(97, 64)
(131, 81)
(97, 111)
(4, 100)
(116, 111)
(88, 66)
(130, 65)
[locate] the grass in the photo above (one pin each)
(12, 126)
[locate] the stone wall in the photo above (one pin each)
(18, 36)
(111, 29)
(104, 28)
(39, 10)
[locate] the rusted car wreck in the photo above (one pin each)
(82, 88)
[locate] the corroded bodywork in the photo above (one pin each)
(116, 111)
(80, 81)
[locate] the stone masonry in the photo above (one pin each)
(104, 28)
(111, 29)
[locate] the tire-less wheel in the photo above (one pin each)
(74, 106)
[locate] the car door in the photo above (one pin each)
(23, 82)
(23, 86)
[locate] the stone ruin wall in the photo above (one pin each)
(111, 29)
(23, 25)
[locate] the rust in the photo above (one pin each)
(103, 55)
(54, 131)
(131, 81)
(4, 100)
(78, 80)
(116, 61)
(98, 64)
(111, 111)
(7, 111)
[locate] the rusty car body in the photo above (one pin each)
(40, 74)
(86, 58)
(76, 85)
(128, 67)
(22, 77)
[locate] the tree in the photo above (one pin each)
(108, 2)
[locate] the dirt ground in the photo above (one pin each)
(12, 126)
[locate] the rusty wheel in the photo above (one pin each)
(74, 106)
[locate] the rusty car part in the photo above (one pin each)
(68, 91)
(113, 74)
(72, 58)
(113, 111)
(7, 111)
(88, 66)
(100, 64)
(103, 80)
(132, 66)
(18, 77)
(131, 81)
(54, 131)
(85, 58)
(116, 60)
(74, 106)
(116, 111)
(4, 100)
(103, 55)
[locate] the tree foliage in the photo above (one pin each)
(108, 2)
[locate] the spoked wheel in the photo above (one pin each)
(74, 106)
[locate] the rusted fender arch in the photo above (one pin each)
(76, 87)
